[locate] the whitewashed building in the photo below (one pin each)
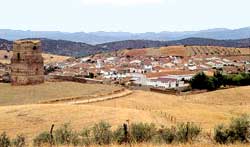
(166, 82)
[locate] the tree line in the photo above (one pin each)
(202, 81)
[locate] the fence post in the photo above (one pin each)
(51, 135)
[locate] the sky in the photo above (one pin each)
(135, 16)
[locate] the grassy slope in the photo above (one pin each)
(187, 51)
(48, 58)
(10, 95)
(175, 145)
(205, 109)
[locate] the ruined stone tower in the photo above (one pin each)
(27, 63)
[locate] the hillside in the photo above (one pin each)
(5, 44)
(207, 109)
(78, 49)
(69, 48)
(60, 47)
(132, 44)
(5, 57)
(19, 95)
(184, 51)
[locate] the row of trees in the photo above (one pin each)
(202, 81)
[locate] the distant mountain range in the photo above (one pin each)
(78, 49)
(104, 37)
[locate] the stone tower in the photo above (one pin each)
(27, 63)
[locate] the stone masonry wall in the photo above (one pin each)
(27, 63)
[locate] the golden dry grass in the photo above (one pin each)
(174, 51)
(33, 119)
(216, 51)
(161, 145)
(189, 51)
(48, 58)
(175, 145)
(207, 109)
(13, 95)
(162, 51)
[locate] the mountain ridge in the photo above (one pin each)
(104, 37)
(78, 49)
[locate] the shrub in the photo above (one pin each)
(237, 79)
(221, 135)
(86, 138)
(75, 140)
(142, 132)
(167, 135)
(4, 140)
(64, 134)
(238, 130)
(102, 133)
(187, 132)
(41, 139)
(19, 141)
(119, 135)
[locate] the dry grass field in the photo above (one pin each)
(216, 51)
(14, 95)
(48, 58)
(174, 145)
(207, 110)
(188, 51)
(162, 51)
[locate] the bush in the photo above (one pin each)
(75, 140)
(19, 141)
(187, 132)
(167, 135)
(86, 138)
(221, 135)
(142, 132)
(64, 135)
(238, 130)
(4, 140)
(102, 133)
(119, 135)
(41, 139)
(237, 79)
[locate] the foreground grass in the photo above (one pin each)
(172, 145)
(207, 110)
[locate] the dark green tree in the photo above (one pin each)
(199, 81)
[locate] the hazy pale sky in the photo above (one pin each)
(123, 15)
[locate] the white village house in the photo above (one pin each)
(167, 82)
